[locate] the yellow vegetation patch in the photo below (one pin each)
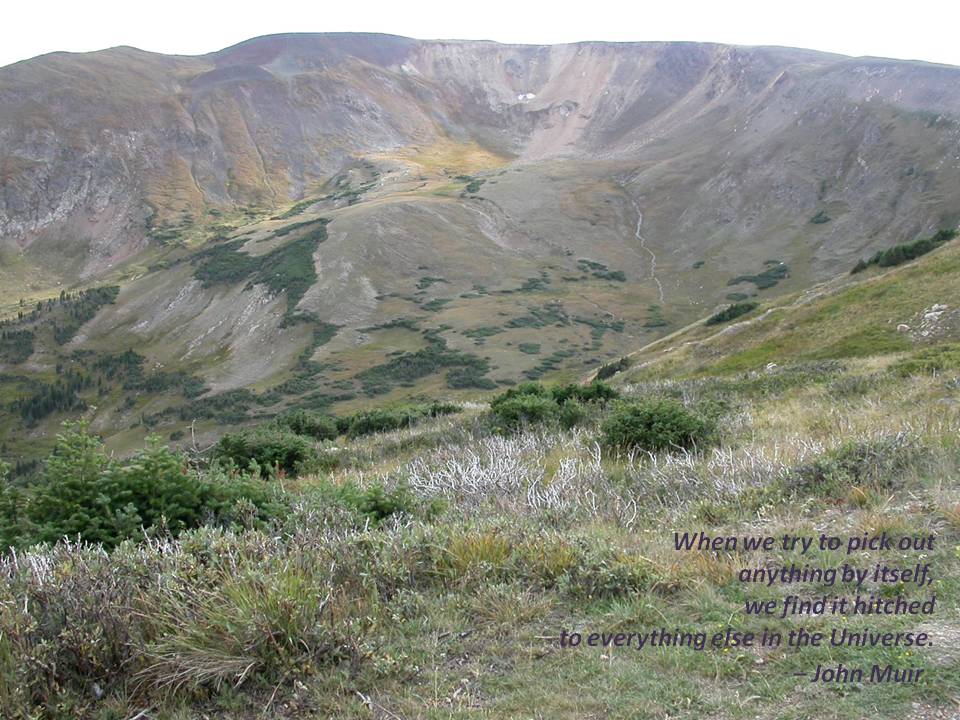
(447, 155)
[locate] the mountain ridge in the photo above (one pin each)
(288, 56)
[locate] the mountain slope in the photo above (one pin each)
(903, 312)
(96, 146)
(330, 220)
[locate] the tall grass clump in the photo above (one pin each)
(165, 619)
(880, 463)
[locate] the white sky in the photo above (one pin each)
(922, 29)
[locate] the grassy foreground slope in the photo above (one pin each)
(427, 572)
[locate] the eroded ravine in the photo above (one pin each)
(643, 246)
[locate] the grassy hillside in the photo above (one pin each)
(423, 563)
(390, 283)
(889, 312)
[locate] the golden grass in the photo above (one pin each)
(883, 521)
(951, 513)
(447, 156)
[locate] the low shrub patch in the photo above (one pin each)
(654, 425)
(899, 254)
(775, 272)
(374, 503)
(411, 366)
(269, 447)
(530, 403)
(929, 360)
(288, 267)
(385, 420)
(311, 424)
(879, 463)
(731, 312)
(516, 412)
(608, 370)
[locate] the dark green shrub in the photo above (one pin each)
(81, 308)
(384, 420)
(59, 396)
(596, 391)
(655, 425)
(524, 388)
(375, 421)
(484, 331)
(426, 281)
(296, 209)
(655, 317)
(905, 252)
(731, 312)
(224, 263)
(471, 376)
(311, 424)
(775, 272)
(437, 304)
(531, 403)
(523, 409)
(343, 424)
(267, 446)
(374, 503)
(229, 407)
(436, 408)
(571, 414)
(16, 346)
(617, 275)
(405, 369)
(610, 369)
(84, 493)
(288, 267)
(239, 500)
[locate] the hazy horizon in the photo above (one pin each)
(854, 29)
